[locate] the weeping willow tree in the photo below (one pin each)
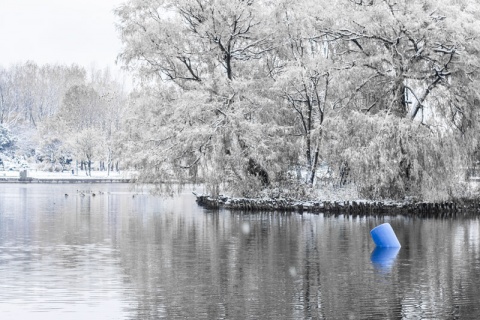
(409, 124)
(392, 158)
(206, 111)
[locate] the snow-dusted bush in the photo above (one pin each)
(7, 141)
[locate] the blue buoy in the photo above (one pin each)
(384, 236)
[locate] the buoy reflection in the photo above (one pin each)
(383, 258)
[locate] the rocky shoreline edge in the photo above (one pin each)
(442, 209)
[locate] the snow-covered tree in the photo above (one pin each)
(404, 53)
(86, 147)
(208, 112)
(95, 107)
(30, 93)
(243, 93)
(414, 60)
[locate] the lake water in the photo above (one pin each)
(109, 252)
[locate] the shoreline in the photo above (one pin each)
(39, 176)
(59, 180)
(418, 209)
(448, 209)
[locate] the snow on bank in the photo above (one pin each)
(439, 210)
(67, 175)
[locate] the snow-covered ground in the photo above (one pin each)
(38, 174)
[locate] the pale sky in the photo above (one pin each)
(59, 31)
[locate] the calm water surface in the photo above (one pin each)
(125, 254)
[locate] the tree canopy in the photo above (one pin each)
(258, 96)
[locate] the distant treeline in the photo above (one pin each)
(59, 115)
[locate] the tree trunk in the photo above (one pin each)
(109, 160)
(398, 103)
(228, 62)
(313, 170)
(258, 171)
